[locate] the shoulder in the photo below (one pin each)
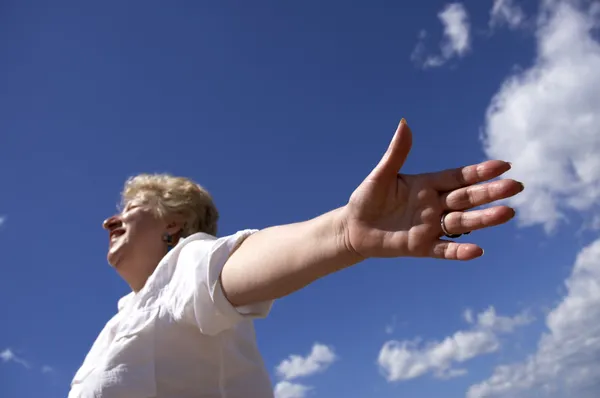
(124, 300)
(201, 245)
(194, 245)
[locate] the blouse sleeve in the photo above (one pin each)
(197, 296)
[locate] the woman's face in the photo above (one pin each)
(135, 240)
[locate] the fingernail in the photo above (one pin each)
(403, 121)
(522, 185)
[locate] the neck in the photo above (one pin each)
(136, 277)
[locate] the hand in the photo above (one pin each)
(396, 215)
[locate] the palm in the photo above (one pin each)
(392, 215)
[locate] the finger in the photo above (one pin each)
(477, 195)
(396, 154)
(451, 179)
(447, 250)
(459, 222)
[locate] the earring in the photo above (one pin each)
(167, 237)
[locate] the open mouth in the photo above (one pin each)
(116, 233)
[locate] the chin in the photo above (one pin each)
(113, 259)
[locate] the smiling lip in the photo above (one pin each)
(115, 233)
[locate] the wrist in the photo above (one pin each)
(344, 249)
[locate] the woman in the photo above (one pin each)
(186, 328)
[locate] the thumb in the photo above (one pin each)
(396, 154)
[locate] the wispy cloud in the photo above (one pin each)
(567, 361)
(490, 320)
(405, 360)
(506, 13)
(391, 327)
(456, 40)
(2, 220)
(297, 366)
(9, 356)
(394, 325)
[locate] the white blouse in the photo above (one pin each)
(179, 337)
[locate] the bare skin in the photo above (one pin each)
(388, 215)
(136, 241)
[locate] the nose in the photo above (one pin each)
(112, 223)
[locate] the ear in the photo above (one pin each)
(175, 226)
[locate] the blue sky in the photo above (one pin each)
(280, 109)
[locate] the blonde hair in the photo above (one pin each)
(171, 195)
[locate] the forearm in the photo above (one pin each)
(280, 260)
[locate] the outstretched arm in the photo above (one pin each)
(388, 215)
(280, 260)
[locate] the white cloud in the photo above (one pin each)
(318, 360)
(546, 119)
(47, 369)
(9, 356)
(296, 366)
(2, 220)
(567, 361)
(286, 389)
(456, 30)
(456, 41)
(404, 360)
(506, 12)
(503, 324)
